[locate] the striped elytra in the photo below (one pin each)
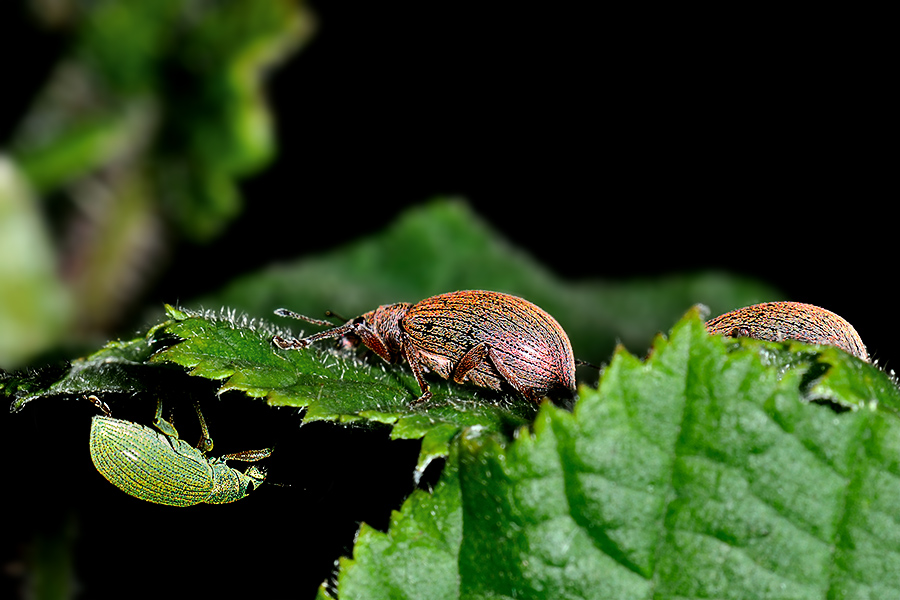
(156, 467)
(479, 337)
(778, 321)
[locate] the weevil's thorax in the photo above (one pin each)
(386, 321)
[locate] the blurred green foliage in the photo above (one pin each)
(167, 88)
(138, 138)
(35, 306)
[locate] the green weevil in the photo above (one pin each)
(777, 321)
(479, 337)
(160, 467)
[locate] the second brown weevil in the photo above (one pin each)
(479, 337)
(778, 321)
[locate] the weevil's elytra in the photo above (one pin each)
(156, 467)
(529, 343)
(479, 337)
(778, 321)
(148, 464)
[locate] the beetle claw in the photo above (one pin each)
(100, 404)
(421, 399)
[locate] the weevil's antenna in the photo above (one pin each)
(331, 313)
(584, 363)
(284, 312)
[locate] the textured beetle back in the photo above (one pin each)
(527, 339)
(778, 321)
(148, 464)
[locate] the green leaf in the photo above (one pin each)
(119, 367)
(712, 469)
(238, 353)
(421, 549)
(333, 386)
(852, 383)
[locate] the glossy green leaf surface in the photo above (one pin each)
(238, 352)
(708, 470)
(333, 386)
(419, 556)
(119, 367)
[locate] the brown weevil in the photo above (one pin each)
(778, 321)
(479, 337)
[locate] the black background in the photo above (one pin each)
(610, 142)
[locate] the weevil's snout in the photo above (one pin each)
(257, 474)
(348, 340)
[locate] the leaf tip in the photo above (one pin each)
(176, 313)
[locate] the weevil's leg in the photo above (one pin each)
(416, 366)
(469, 361)
(287, 343)
(162, 424)
(369, 337)
(205, 444)
(249, 455)
(484, 353)
(100, 404)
